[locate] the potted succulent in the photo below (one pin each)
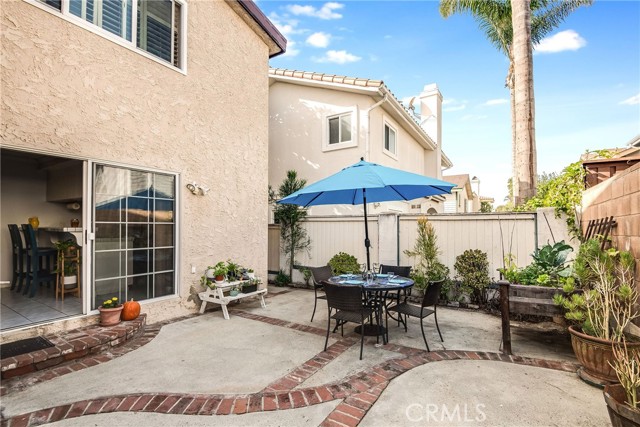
(250, 273)
(234, 291)
(600, 314)
(110, 312)
(623, 399)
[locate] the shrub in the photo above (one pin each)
(282, 279)
(472, 269)
(342, 263)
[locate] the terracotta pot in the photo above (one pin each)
(110, 316)
(594, 355)
(621, 414)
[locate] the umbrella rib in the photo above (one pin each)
(312, 200)
(398, 193)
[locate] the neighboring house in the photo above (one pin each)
(462, 198)
(121, 109)
(599, 168)
(321, 123)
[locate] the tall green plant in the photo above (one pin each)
(293, 235)
(425, 250)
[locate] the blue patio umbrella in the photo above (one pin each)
(364, 183)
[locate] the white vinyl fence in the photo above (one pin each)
(497, 234)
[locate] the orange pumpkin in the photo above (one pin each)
(131, 310)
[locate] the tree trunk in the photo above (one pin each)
(524, 179)
(512, 98)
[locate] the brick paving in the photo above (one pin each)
(357, 393)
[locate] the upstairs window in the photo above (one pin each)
(155, 26)
(389, 139)
(340, 129)
(159, 29)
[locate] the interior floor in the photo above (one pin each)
(19, 310)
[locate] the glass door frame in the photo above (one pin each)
(90, 229)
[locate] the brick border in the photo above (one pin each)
(358, 392)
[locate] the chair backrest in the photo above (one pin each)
(16, 239)
(343, 297)
(320, 274)
(398, 270)
(30, 240)
(432, 293)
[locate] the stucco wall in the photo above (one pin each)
(618, 197)
(297, 113)
(66, 90)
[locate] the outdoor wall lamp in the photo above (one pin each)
(198, 189)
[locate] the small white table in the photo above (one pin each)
(217, 296)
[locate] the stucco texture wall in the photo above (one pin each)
(618, 197)
(297, 114)
(66, 90)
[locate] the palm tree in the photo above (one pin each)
(495, 19)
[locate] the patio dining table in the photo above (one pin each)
(377, 291)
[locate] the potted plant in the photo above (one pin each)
(234, 291)
(600, 314)
(623, 399)
(208, 282)
(250, 285)
(233, 270)
(251, 273)
(219, 271)
(70, 274)
(110, 312)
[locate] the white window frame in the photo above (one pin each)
(386, 123)
(65, 14)
(353, 111)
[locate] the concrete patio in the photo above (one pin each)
(267, 366)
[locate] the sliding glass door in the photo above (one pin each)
(134, 251)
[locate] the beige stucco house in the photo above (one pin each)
(321, 123)
(149, 125)
(463, 198)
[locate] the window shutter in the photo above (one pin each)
(112, 16)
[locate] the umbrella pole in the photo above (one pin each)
(367, 243)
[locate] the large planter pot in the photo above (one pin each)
(110, 316)
(594, 354)
(621, 414)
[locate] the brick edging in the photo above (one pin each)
(73, 345)
(358, 392)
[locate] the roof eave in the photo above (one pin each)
(279, 41)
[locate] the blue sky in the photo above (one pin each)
(586, 74)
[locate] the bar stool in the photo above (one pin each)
(18, 253)
(35, 273)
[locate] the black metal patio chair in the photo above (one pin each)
(347, 301)
(430, 299)
(318, 275)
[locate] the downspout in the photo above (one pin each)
(368, 120)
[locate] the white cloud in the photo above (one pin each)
(291, 50)
(338, 57)
(498, 101)
(319, 39)
(325, 12)
(559, 42)
(634, 100)
(451, 104)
